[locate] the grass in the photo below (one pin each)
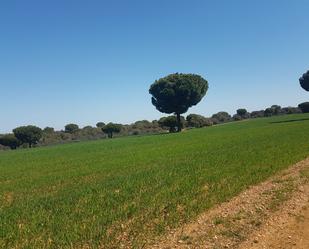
(126, 191)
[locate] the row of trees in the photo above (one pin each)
(27, 136)
(22, 135)
(197, 121)
(175, 93)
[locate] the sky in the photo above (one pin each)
(84, 61)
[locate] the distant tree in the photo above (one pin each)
(221, 117)
(10, 140)
(111, 128)
(71, 128)
(276, 109)
(48, 130)
(28, 134)
(171, 123)
(273, 110)
(304, 107)
(242, 112)
(176, 93)
(197, 121)
(268, 112)
(100, 124)
(304, 81)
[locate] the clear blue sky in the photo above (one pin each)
(86, 61)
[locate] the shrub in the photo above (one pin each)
(10, 140)
(221, 117)
(171, 123)
(197, 121)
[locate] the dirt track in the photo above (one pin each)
(273, 214)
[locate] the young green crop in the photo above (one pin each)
(126, 191)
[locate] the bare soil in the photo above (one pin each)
(273, 214)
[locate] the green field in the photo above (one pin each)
(129, 190)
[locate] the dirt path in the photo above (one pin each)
(273, 214)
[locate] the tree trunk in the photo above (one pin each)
(30, 145)
(178, 122)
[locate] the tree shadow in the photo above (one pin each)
(289, 121)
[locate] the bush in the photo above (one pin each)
(257, 114)
(221, 117)
(237, 117)
(10, 140)
(171, 123)
(290, 110)
(197, 121)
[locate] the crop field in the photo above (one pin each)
(126, 191)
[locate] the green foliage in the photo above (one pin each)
(221, 117)
(237, 117)
(100, 124)
(71, 128)
(268, 112)
(276, 109)
(242, 112)
(176, 93)
(198, 121)
(111, 128)
(48, 130)
(28, 134)
(304, 81)
(79, 195)
(10, 140)
(171, 123)
(257, 114)
(304, 107)
(290, 110)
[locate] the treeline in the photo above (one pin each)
(29, 136)
(198, 121)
